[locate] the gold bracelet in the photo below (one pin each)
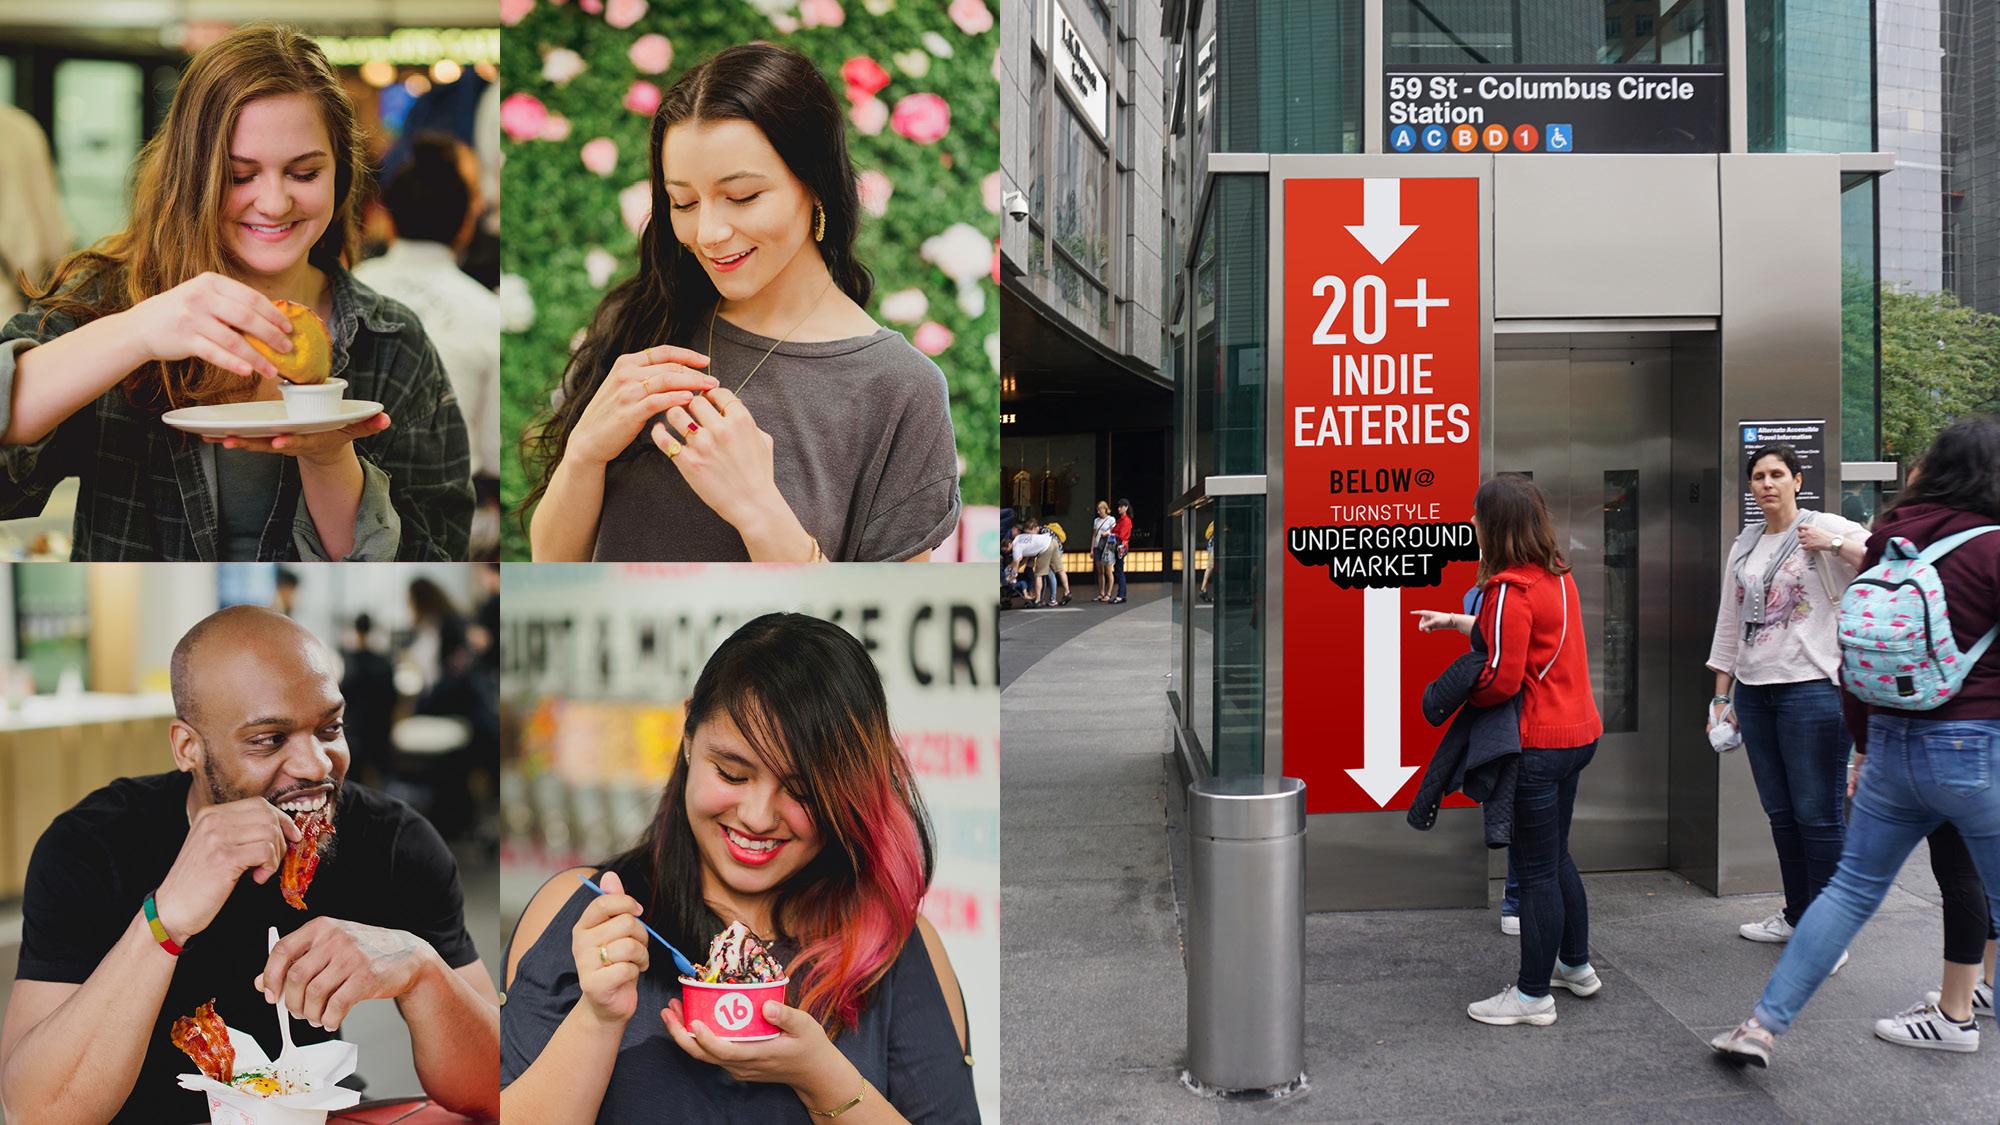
(855, 1101)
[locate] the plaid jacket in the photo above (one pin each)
(146, 489)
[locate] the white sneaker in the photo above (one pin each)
(1582, 981)
(1745, 1044)
(1772, 929)
(1510, 924)
(1838, 965)
(1508, 1008)
(1926, 1027)
(1982, 999)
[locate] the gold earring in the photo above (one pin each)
(819, 223)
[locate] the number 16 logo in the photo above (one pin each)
(732, 1011)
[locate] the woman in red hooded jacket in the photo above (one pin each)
(1533, 627)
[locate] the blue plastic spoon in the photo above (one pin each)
(680, 960)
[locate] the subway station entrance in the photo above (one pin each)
(1634, 312)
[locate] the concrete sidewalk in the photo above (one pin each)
(1094, 989)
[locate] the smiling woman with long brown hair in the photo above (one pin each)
(249, 194)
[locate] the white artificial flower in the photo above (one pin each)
(561, 65)
(936, 45)
(964, 254)
(599, 265)
(517, 304)
(972, 299)
(913, 62)
(993, 349)
(905, 306)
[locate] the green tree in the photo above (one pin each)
(1940, 361)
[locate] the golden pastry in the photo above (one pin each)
(311, 357)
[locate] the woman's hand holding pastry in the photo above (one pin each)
(609, 947)
(801, 1056)
(207, 318)
(639, 386)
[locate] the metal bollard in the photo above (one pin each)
(1246, 937)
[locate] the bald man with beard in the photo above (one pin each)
(257, 746)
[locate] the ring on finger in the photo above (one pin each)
(693, 427)
(603, 958)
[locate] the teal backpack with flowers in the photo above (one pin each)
(1896, 644)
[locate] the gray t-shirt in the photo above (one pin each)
(862, 447)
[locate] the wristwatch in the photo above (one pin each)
(1837, 541)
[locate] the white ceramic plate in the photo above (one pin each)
(263, 419)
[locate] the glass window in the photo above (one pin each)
(1242, 276)
(1079, 195)
(97, 135)
(1860, 325)
(1480, 32)
(7, 82)
(1810, 85)
(1233, 531)
(1290, 75)
(1040, 93)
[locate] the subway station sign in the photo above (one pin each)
(1554, 109)
(1382, 338)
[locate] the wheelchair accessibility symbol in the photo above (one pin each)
(732, 1011)
(1560, 139)
(1403, 138)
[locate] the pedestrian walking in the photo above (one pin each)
(1058, 574)
(1532, 625)
(1775, 642)
(1103, 552)
(1935, 555)
(1122, 532)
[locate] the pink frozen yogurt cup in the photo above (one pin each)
(732, 1011)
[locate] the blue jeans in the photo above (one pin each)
(1919, 774)
(1510, 899)
(1797, 747)
(1555, 916)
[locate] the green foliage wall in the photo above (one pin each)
(1940, 361)
(561, 219)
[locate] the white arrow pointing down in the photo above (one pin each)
(1381, 232)
(1382, 773)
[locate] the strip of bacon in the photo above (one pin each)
(302, 858)
(206, 1041)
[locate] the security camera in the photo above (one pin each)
(1015, 204)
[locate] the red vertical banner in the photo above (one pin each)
(1382, 339)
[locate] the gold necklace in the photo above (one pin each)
(774, 347)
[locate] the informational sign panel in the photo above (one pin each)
(1382, 333)
(1555, 109)
(1807, 437)
(1078, 73)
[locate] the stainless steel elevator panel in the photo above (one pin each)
(1588, 419)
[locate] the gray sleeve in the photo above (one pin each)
(378, 530)
(916, 502)
(31, 470)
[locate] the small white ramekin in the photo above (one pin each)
(311, 402)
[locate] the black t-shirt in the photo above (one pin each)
(94, 867)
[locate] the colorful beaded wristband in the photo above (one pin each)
(160, 931)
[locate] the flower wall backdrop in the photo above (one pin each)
(583, 78)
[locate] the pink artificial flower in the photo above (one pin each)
(785, 23)
(864, 76)
(600, 155)
(971, 16)
(923, 118)
(652, 54)
(556, 128)
(635, 206)
(522, 116)
(932, 338)
(514, 11)
(996, 261)
(622, 14)
(875, 190)
(591, 7)
(821, 13)
(869, 116)
(642, 97)
(989, 192)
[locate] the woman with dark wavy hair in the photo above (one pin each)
(791, 810)
(733, 400)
